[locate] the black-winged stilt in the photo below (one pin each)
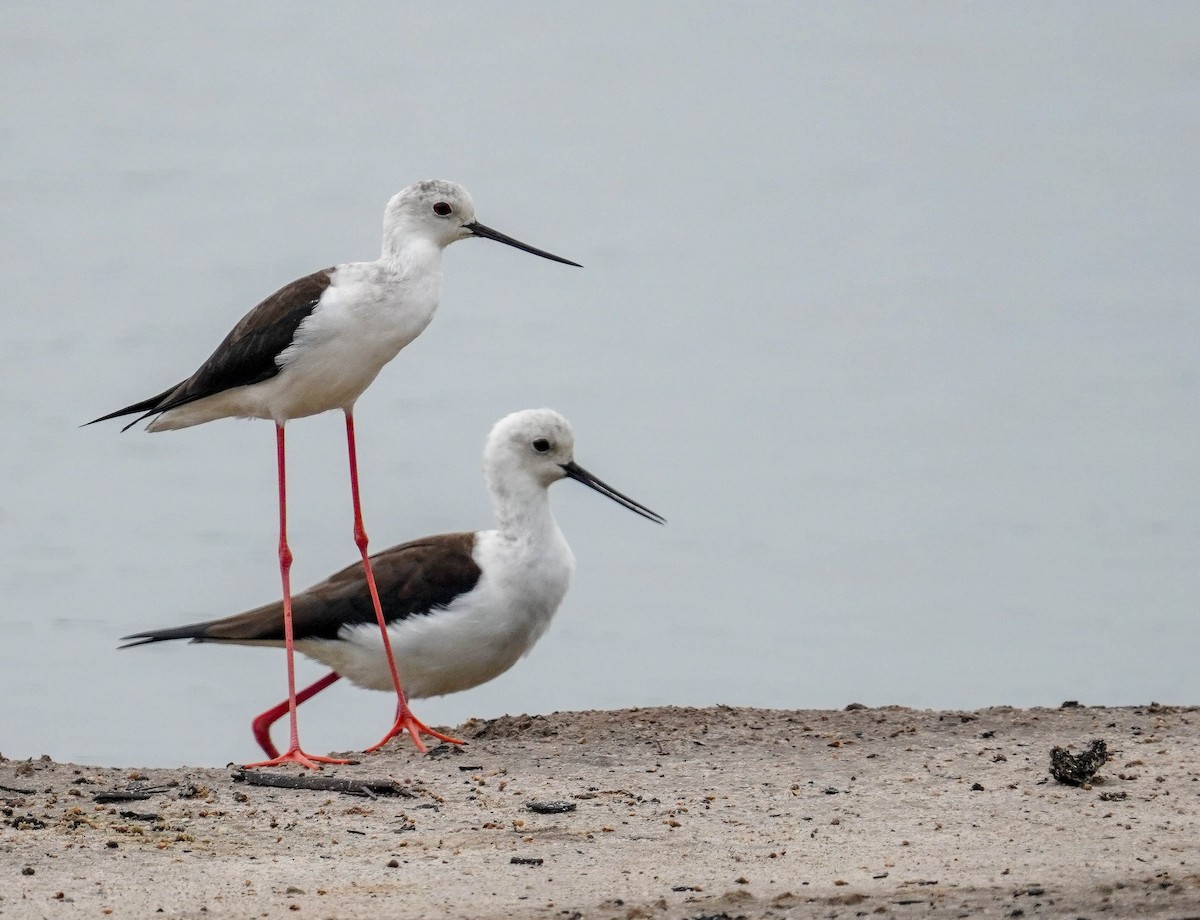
(460, 608)
(315, 345)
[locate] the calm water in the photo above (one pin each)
(890, 310)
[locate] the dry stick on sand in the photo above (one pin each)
(365, 787)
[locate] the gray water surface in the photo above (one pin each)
(891, 310)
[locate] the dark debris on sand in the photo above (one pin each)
(1077, 769)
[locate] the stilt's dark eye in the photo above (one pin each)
(441, 209)
(541, 445)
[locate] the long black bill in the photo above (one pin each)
(579, 474)
(489, 234)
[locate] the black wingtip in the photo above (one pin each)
(105, 418)
(146, 408)
(124, 428)
(120, 412)
(150, 636)
(140, 418)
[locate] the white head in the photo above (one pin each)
(528, 450)
(435, 210)
(439, 212)
(531, 444)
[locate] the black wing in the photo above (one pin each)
(248, 354)
(413, 579)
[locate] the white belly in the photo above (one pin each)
(437, 653)
(479, 636)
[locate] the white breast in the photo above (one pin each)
(363, 320)
(369, 312)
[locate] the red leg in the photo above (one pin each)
(405, 720)
(262, 724)
(293, 754)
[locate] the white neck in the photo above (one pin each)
(535, 562)
(409, 250)
(521, 507)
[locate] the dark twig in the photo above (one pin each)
(135, 792)
(363, 787)
(17, 791)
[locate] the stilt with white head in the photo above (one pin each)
(460, 608)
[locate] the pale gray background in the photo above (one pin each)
(890, 309)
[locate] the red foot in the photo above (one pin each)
(407, 722)
(295, 755)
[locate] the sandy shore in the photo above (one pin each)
(674, 813)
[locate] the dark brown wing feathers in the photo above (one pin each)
(247, 355)
(413, 579)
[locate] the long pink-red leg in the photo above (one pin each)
(261, 725)
(293, 754)
(405, 720)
